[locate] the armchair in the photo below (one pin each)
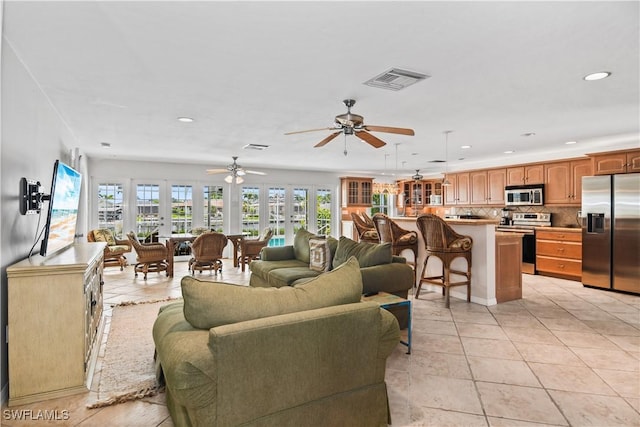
(115, 249)
(207, 252)
(150, 256)
(250, 248)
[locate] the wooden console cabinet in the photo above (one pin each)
(55, 315)
(508, 266)
(559, 253)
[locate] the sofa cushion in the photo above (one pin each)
(319, 255)
(368, 254)
(286, 276)
(263, 268)
(301, 245)
(211, 304)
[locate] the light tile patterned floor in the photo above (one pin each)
(563, 355)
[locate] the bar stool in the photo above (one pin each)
(366, 232)
(400, 239)
(444, 243)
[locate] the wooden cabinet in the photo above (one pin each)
(508, 266)
(487, 187)
(458, 192)
(418, 193)
(54, 319)
(559, 253)
(530, 174)
(563, 181)
(356, 191)
(616, 162)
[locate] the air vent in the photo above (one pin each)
(395, 79)
(258, 147)
(436, 161)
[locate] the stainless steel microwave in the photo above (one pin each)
(524, 195)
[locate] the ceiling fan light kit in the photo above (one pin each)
(236, 172)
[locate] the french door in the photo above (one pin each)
(286, 209)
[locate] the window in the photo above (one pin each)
(110, 208)
(323, 212)
(300, 209)
(251, 210)
(147, 209)
(213, 204)
(380, 203)
(181, 208)
(277, 215)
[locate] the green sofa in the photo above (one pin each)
(290, 265)
(311, 354)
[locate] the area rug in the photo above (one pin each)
(128, 371)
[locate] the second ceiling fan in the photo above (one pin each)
(353, 124)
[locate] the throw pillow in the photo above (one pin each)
(301, 245)
(368, 254)
(104, 235)
(319, 255)
(211, 304)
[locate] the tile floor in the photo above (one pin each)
(564, 355)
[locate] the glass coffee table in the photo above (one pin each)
(386, 300)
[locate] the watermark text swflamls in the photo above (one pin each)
(35, 414)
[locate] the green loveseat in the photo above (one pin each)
(308, 355)
(290, 265)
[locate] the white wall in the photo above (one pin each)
(33, 137)
(128, 172)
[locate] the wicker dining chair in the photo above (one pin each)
(150, 256)
(444, 243)
(366, 231)
(400, 239)
(250, 248)
(206, 250)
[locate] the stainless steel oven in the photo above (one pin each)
(525, 224)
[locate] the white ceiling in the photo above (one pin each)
(247, 72)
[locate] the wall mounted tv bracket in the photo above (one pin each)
(31, 197)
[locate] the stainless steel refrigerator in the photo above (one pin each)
(611, 232)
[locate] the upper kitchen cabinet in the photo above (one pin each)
(487, 187)
(563, 181)
(520, 175)
(356, 191)
(616, 162)
(458, 192)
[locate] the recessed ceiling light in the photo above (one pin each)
(528, 134)
(509, 152)
(571, 142)
(105, 145)
(464, 147)
(185, 119)
(597, 76)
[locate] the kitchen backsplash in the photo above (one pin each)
(560, 216)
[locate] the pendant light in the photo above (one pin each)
(446, 182)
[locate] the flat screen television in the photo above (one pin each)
(60, 228)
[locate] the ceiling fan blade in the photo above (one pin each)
(370, 139)
(214, 171)
(327, 139)
(388, 129)
(255, 172)
(308, 130)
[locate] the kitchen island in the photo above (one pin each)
(490, 274)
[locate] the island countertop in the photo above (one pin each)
(454, 221)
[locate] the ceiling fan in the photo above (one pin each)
(353, 124)
(235, 171)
